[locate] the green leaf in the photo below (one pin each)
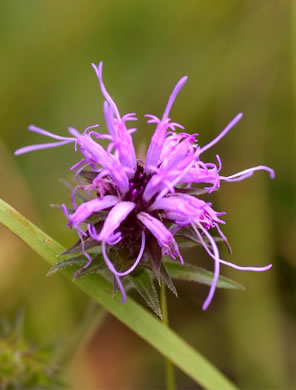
(143, 323)
(187, 244)
(193, 273)
(97, 264)
(155, 256)
(63, 264)
(143, 283)
(89, 243)
(166, 278)
(25, 365)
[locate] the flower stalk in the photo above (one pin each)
(169, 368)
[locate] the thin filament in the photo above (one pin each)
(223, 133)
(111, 266)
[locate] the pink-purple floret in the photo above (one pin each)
(149, 195)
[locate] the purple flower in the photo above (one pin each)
(138, 202)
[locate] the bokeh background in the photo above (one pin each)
(240, 57)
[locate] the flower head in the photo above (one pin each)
(135, 203)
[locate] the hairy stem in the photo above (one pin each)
(169, 368)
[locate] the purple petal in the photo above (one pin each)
(36, 129)
(131, 269)
(247, 173)
(164, 237)
(171, 170)
(178, 204)
(32, 148)
(63, 141)
(178, 175)
(242, 268)
(96, 154)
(216, 257)
(113, 220)
(118, 274)
(86, 209)
(173, 96)
(121, 138)
(98, 69)
(223, 133)
(158, 138)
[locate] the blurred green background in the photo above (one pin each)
(239, 58)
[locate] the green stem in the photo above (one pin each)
(169, 368)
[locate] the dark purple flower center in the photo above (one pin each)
(137, 186)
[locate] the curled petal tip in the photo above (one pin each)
(236, 119)
(97, 66)
(64, 208)
(94, 66)
(230, 125)
(100, 69)
(272, 174)
(18, 152)
(183, 79)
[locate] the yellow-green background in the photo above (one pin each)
(239, 58)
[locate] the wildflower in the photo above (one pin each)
(135, 202)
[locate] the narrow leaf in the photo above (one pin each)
(71, 188)
(98, 265)
(165, 277)
(63, 264)
(155, 256)
(88, 175)
(89, 243)
(143, 283)
(187, 244)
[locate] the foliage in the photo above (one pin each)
(24, 365)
